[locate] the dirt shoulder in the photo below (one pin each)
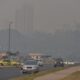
(73, 76)
(60, 74)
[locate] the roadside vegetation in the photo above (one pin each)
(41, 73)
(34, 75)
(73, 76)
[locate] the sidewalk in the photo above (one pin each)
(59, 75)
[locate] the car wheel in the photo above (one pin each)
(36, 71)
(55, 66)
(24, 72)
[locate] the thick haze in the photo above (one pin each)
(53, 14)
(17, 11)
(41, 15)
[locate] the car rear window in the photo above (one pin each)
(31, 62)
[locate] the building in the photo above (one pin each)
(69, 62)
(3, 55)
(24, 17)
(38, 56)
(8, 55)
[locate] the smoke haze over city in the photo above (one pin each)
(47, 26)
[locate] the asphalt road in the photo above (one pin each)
(7, 73)
(11, 72)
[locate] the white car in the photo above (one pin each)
(30, 66)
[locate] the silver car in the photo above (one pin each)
(30, 66)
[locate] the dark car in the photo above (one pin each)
(59, 63)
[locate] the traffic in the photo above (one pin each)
(7, 73)
(12, 66)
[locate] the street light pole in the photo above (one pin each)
(9, 46)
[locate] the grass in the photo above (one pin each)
(73, 76)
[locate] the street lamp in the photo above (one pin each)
(9, 45)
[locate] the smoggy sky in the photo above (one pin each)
(47, 15)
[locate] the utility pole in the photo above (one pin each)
(9, 46)
(24, 15)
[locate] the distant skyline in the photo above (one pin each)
(41, 15)
(52, 15)
(24, 18)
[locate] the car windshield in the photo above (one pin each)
(30, 62)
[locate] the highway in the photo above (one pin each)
(8, 72)
(11, 72)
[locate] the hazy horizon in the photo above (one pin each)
(60, 18)
(41, 15)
